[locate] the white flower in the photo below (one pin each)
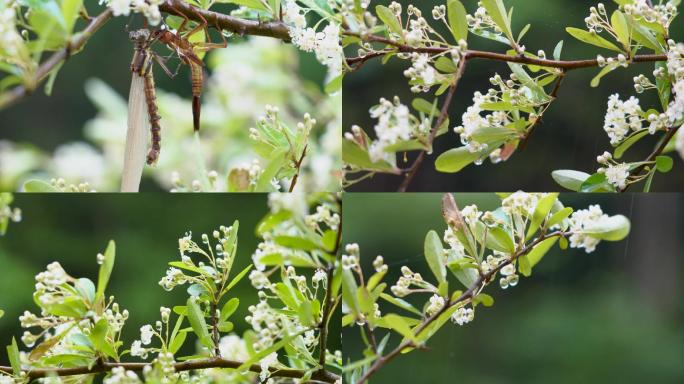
(617, 174)
(146, 333)
(621, 116)
(581, 222)
(138, 350)
(436, 303)
(120, 375)
(463, 316)
(120, 7)
(233, 347)
(265, 363)
(521, 203)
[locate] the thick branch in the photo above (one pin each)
(443, 115)
(276, 29)
(180, 366)
(76, 44)
(467, 295)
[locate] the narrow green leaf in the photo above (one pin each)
(569, 179)
(38, 186)
(198, 323)
(434, 255)
(500, 240)
(456, 16)
(497, 11)
(539, 250)
(106, 268)
(622, 29)
(592, 38)
(389, 18)
(614, 228)
(13, 355)
(455, 159)
(398, 324)
(627, 143)
(229, 308)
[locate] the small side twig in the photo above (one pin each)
(299, 168)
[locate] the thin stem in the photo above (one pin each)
(467, 295)
(554, 95)
(215, 330)
(189, 365)
(656, 152)
(475, 54)
(329, 300)
(443, 114)
(299, 168)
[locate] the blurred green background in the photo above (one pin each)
(72, 229)
(571, 135)
(612, 316)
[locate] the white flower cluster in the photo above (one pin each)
(597, 21)
(421, 73)
(119, 375)
(652, 13)
(395, 124)
(147, 332)
(11, 41)
(435, 305)
(520, 203)
(480, 20)
(323, 215)
(351, 259)
(616, 173)
(407, 280)
(508, 276)
(675, 67)
(581, 222)
(325, 43)
(463, 316)
(149, 8)
(220, 261)
(621, 117)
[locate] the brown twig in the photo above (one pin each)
(276, 29)
(554, 95)
(189, 365)
(656, 152)
(299, 168)
(443, 115)
(467, 295)
(475, 54)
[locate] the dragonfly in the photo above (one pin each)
(141, 65)
(187, 51)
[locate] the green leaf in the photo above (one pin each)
(334, 85)
(422, 105)
(98, 336)
(2, 313)
(13, 355)
(664, 164)
(614, 228)
(456, 16)
(604, 71)
(569, 179)
(236, 279)
(539, 250)
(558, 50)
(592, 38)
(483, 299)
(86, 289)
(497, 11)
(265, 352)
(349, 289)
(500, 240)
(401, 303)
(541, 211)
(38, 186)
(622, 29)
(559, 216)
(663, 84)
(229, 308)
(353, 154)
(400, 325)
(597, 183)
(253, 4)
(455, 159)
(106, 268)
(627, 143)
(177, 342)
(434, 255)
(198, 323)
(389, 18)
